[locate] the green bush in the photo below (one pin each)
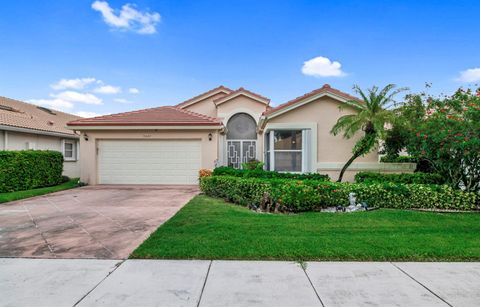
(260, 173)
(398, 159)
(29, 169)
(310, 195)
(420, 178)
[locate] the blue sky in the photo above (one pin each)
(172, 50)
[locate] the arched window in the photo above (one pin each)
(241, 126)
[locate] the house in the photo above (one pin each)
(27, 126)
(168, 145)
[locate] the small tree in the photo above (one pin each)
(372, 116)
(448, 136)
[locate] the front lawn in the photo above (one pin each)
(11, 196)
(208, 228)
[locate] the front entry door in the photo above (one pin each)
(240, 151)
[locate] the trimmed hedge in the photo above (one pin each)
(398, 159)
(310, 195)
(420, 178)
(259, 173)
(29, 169)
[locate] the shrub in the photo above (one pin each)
(421, 178)
(309, 195)
(260, 173)
(253, 165)
(29, 169)
(204, 173)
(398, 159)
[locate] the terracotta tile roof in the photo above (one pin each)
(20, 114)
(161, 116)
(209, 93)
(241, 90)
(326, 88)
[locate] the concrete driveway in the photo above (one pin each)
(105, 222)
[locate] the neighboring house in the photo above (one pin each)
(27, 126)
(168, 145)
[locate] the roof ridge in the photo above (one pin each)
(325, 88)
(202, 94)
(242, 89)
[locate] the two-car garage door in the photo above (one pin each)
(148, 161)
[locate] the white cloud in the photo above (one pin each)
(322, 67)
(128, 18)
(77, 84)
(87, 114)
(122, 100)
(133, 90)
(73, 96)
(469, 75)
(107, 89)
(57, 104)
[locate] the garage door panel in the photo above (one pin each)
(149, 162)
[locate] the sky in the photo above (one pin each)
(98, 57)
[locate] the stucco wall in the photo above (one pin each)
(88, 149)
(20, 140)
(206, 106)
(332, 151)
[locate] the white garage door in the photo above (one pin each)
(148, 162)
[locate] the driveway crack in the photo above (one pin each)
(50, 247)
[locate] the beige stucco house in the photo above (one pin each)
(26, 126)
(168, 145)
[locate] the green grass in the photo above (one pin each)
(208, 228)
(11, 196)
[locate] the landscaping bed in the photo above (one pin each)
(209, 228)
(287, 195)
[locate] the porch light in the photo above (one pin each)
(85, 137)
(210, 136)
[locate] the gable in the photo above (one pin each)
(205, 106)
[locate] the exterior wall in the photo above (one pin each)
(2, 140)
(88, 149)
(206, 106)
(19, 141)
(240, 104)
(332, 151)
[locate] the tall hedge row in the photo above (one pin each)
(29, 169)
(420, 178)
(309, 195)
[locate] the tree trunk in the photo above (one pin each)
(355, 155)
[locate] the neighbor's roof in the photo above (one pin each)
(326, 88)
(214, 91)
(19, 114)
(242, 91)
(161, 116)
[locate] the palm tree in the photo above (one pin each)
(372, 116)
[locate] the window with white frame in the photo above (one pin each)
(69, 150)
(286, 150)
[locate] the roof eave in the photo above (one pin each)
(146, 127)
(38, 131)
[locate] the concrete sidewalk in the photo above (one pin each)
(67, 282)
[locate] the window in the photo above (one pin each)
(241, 127)
(285, 150)
(69, 150)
